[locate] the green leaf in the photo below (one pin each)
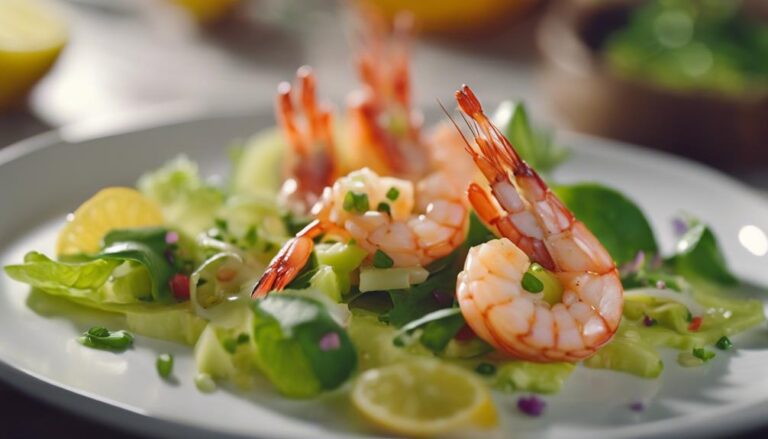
(83, 280)
(535, 146)
(699, 256)
(290, 335)
(382, 260)
(439, 327)
(614, 219)
(159, 269)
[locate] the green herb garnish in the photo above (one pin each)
(485, 369)
(724, 343)
(356, 202)
(164, 365)
(102, 338)
(384, 208)
(382, 260)
(531, 283)
(703, 354)
(393, 193)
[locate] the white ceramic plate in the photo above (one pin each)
(47, 176)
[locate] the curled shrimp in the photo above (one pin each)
(312, 165)
(535, 227)
(384, 127)
(417, 226)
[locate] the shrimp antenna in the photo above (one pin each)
(447, 114)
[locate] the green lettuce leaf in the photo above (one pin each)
(699, 256)
(536, 147)
(614, 219)
(300, 348)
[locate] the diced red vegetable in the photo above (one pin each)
(695, 324)
(180, 286)
(465, 334)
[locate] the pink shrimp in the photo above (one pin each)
(312, 165)
(535, 227)
(384, 127)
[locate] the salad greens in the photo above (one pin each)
(347, 311)
(710, 45)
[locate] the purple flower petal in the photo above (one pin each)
(637, 406)
(171, 237)
(329, 342)
(648, 321)
(679, 226)
(531, 405)
(635, 264)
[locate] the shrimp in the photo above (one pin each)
(312, 165)
(384, 127)
(535, 227)
(413, 226)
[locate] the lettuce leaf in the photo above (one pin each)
(537, 147)
(299, 347)
(699, 256)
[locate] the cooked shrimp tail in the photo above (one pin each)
(312, 165)
(383, 122)
(535, 227)
(288, 262)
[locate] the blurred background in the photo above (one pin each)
(685, 76)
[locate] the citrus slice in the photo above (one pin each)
(31, 38)
(111, 208)
(423, 397)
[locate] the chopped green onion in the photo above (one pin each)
(531, 283)
(724, 343)
(485, 369)
(164, 365)
(384, 208)
(230, 345)
(703, 354)
(243, 338)
(382, 260)
(356, 202)
(101, 338)
(393, 193)
(689, 316)
(221, 224)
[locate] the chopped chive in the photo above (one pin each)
(221, 224)
(393, 193)
(531, 283)
(382, 260)
(485, 369)
(243, 338)
(356, 202)
(164, 365)
(724, 343)
(689, 316)
(230, 345)
(349, 201)
(398, 341)
(251, 236)
(384, 208)
(703, 354)
(98, 331)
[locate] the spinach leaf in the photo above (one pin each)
(146, 246)
(439, 327)
(300, 348)
(536, 147)
(614, 219)
(699, 255)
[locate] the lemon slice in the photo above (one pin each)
(423, 397)
(111, 208)
(31, 38)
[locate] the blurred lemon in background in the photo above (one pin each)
(31, 38)
(207, 11)
(451, 15)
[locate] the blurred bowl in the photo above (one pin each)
(446, 16)
(722, 130)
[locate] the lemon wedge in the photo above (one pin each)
(423, 397)
(31, 38)
(111, 208)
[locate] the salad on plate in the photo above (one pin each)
(423, 273)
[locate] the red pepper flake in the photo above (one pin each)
(695, 324)
(180, 286)
(465, 334)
